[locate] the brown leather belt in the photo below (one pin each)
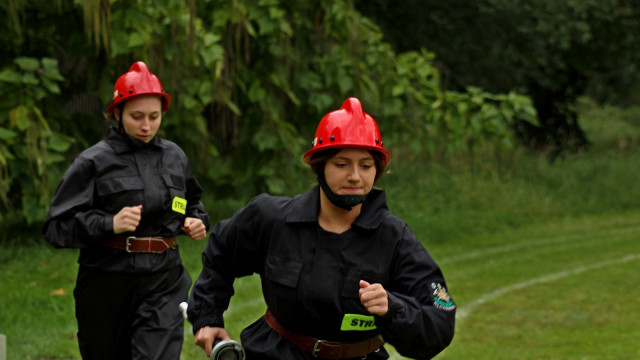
(154, 244)
(322, 348)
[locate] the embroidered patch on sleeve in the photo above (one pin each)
(441, 298)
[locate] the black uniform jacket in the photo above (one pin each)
(310, 277)
(116, 172)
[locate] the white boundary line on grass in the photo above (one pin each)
(465, 311)
(525, 244)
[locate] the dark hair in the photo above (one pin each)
(319, 160)
(111, 118)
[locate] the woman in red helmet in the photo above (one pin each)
(340, 274)
(122, 202)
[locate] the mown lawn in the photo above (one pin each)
(560, 290)
(542, 258)
(564, 290)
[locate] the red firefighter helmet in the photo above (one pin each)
(348, 127)
(137, 82)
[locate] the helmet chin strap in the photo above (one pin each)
(346, 202)
(131, 139)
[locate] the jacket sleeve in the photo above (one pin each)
(421, 317)
(232, 251)
(72, 221)
(195, 207)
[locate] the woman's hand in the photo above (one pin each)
(206, 336)
(127, 219)
(374, 298)
(194, 228)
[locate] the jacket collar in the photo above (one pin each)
(122, 142)
(306, 208)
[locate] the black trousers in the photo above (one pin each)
(130, 316)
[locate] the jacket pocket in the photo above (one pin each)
(106, 187)
(115, 193)
(177, 192)
(282, 271)
(175, 184)
(281, 286)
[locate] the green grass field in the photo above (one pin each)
(543, 259)
(565, 290)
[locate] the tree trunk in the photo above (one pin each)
(559, 131)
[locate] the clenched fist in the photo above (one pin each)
(127, 219)
(374, 298)
(194, 228)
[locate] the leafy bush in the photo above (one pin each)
(28, 146)
(249, 82)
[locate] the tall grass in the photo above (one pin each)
(461, 207)
(495, 190)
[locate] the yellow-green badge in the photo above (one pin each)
(179, 205)
(357, 322)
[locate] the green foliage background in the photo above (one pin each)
(250, 80)
(555, 52)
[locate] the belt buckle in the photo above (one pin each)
(315, 350)
(127, 244)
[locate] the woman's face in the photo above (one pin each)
(350, 172)
(141, 117)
